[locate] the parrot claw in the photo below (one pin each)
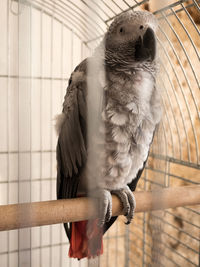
(104, 205)
(128, 201)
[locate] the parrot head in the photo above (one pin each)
(132, 36)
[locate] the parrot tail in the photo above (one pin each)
(86, 239)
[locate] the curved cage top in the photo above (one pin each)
(179, 56)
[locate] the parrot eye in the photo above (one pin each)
(121, 30)
(141, 27)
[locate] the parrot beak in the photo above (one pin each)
(145, 47)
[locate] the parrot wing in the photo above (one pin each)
(71, 146)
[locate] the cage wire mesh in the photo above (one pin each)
(41, 43)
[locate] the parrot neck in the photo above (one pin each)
(120, 63)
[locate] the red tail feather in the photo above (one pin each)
(86, 242)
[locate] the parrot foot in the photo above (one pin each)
(104, 199)
(128, 201)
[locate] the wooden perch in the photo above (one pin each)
(17, 216)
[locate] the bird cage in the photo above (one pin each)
(42, 41)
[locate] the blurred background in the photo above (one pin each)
(41, 43)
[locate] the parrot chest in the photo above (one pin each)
(129, 131)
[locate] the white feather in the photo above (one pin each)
(119, 119)
(78, 76)
(133, 107)
(113, 172)
(119, 135)
(59, 120)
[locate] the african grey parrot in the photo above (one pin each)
(130, 113)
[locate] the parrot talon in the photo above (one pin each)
(104, 205)
(128, 201)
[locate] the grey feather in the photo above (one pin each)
(71, 148)
(130, 113)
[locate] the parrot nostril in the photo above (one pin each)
(141, 27)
